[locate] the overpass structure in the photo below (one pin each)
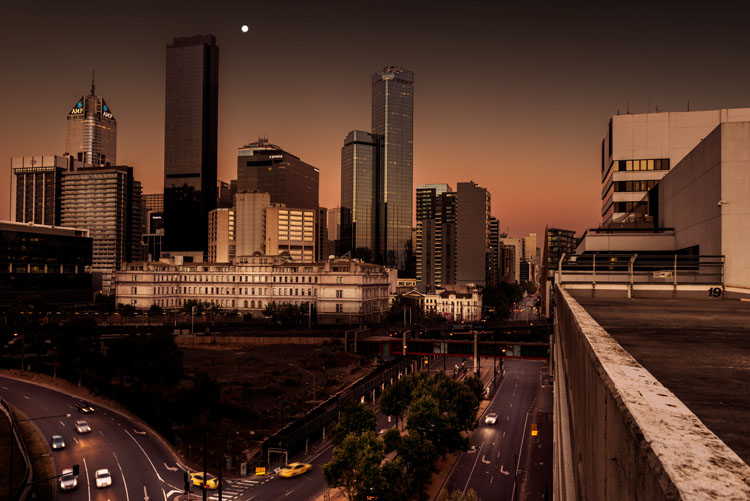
(650, 397)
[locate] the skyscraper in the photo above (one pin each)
(393, 118)
(190, 141)
(108, 202)
(262, 166)
(221, 243)
(435, 245)
(472, 234)
(361, 162)
(91, 131)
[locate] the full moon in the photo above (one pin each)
(244, 28)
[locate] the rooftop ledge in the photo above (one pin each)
(687, 459)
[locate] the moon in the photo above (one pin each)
(244, 28)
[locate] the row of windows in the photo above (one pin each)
(626, 186)
(657, 164)
(225, 278)
(625, 206)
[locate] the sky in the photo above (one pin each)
(514, 98)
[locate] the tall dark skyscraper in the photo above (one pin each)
(361, 163)
(190, 141)
(436, 236)
(91, 131)
(264, 167)
(393, 118)
(472, 234)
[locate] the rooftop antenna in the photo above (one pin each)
(688, 104)
(93, 86)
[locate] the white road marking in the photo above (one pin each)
(88, 485)
(62, 423)
(498, 455)
(170, 468)
(4, 387)
(520, 450)
(472, 469)
(75, 439)
(503, 471)
(485, 460)
(145, 494)
(127, 496)
(491, 479)
(173, 491)
(27, 398)
(71, 406)
(165, 494)
(100, 433)
(139, 432)
(503, 434)
(144, 453)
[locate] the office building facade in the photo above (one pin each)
(35, 188)
(321, 235)
(435, 236)
(91, 132)
(52, 262)
(250, 220)
(154, 202)
(190, 141)
(106, 201)
(559, 242)
(221, 233)
(393, 119)
(361, 163)
(639, 149)
(472, 234)
(265, 167)
(291, 231)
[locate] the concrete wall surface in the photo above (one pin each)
(620, 434)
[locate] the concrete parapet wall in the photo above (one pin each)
(620, 434)
(187, 339)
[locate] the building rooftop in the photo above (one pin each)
(698, 349)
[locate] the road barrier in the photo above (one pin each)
(5, 408)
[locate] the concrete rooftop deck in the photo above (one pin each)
(698, 349)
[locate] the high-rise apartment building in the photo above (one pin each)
(393, 119)
(250, 222)
(472, 234)
(190, 141)
(639, 149)
(559, 242)
(291, 230)
(435, 239)
(106, 201)
(361, 162)
(221, 229)
(514, 274)
(35, 188)
(493, 256)
(321, 235)
(91, 131)
(265, 167)
(223, 195)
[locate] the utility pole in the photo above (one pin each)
(205, 461)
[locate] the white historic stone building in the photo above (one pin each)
(341, 290)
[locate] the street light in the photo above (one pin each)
(10, 452)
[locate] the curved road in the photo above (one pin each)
(141, 466)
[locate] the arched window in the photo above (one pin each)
(245, 303)
(252, 304)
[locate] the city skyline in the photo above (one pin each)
(517, 106)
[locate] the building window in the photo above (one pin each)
(339, 308)
(339, 293)
(134, 290)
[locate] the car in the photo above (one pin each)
(103, 478)
(294, 469)
(57, 442)
(82, 426)
(490, 418)
(68, 481)
(197, 479)
(84, 407)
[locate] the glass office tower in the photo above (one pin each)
(190, 141)
(393, 118)
(91, 131)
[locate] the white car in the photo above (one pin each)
(490, 418)
(103, 478)
(68, 481)
(82, 426)
(58, 442)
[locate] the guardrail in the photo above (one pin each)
(16, 437)
(297, 434)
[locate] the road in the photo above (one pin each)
(140, 465)
(490, 467)
(525, 310)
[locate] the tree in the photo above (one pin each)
(155, 309)
(457, 495)
(187, 306)
(355, 467)
(396, 398)
(356, 418)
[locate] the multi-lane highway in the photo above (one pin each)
(140, 464)
(490, 466)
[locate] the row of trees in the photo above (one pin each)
(433, 412)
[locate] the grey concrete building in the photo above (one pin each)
(472, 234)
(190, 141)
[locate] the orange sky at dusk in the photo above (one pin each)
(516, 100)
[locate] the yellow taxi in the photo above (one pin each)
(211, 481)
(294, 469)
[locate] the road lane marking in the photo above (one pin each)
(127, 496)
(503, 471)
(472, 469)
(503, 434)
(491, 479)
(144, 453)
(88, 485)
(520, 451)
(75, 439)
(100, 433)
(70, 406)
(173, 491)
(27, 398)
(139, 432)
(484, 460)
(145, 494)
(170, 468)
(164, 493)
(62, 423)
(4, 387)
(498, 455)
